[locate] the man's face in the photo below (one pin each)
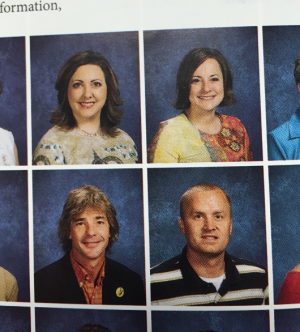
(89, 234)
(206, 222)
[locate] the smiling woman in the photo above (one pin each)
(199, 133)
(87, 118)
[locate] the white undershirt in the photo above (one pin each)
(215, 281)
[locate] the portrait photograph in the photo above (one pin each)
(244, 185)
(210, 321)
(284, 204)
(106, 63)
(207, 236)
(172, 59)
(13, 135)
(63, 201)
(14, 257)
(72, 320)
(15, 319)
(282, 75)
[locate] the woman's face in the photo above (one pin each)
(207, 88)
(87, 92)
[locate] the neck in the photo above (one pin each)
(207, 122)
(91, 266)
(89, 127)
(205, 265)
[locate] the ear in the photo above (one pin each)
(298, 86)
(230, 226)
(181, 225)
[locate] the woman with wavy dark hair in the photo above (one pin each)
(86, 121)
(199, 133)
(8, 148)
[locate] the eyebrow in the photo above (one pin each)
(96, 217)
(79, 80)
(209, 76)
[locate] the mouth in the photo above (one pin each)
(91, 244)
(209, 237)
(206, 97)
(87, 104)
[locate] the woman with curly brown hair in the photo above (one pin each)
(86, 121)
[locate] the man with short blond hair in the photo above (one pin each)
(205, 274)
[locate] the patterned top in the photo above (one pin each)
(178, 141)
(59, 147)
(92, 290)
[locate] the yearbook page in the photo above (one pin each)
(149, 161)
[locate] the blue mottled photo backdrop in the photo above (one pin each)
(285, 211)
(287, 320)
(220, 321)
(13, 97)
(14, 228)
(164, 51)
(14, 319)
(123, 187)
(70, 320)
(245, 187)
(49, 53)
(281, 48)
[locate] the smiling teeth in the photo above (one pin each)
(210, 97)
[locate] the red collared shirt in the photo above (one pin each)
(92, 290)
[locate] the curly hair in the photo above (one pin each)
(188, 66)
(77, 201)
(110, 115)
(93, 328)
(200, 187)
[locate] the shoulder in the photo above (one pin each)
(115, 268)
(169, 265)
(246, 266)
(231, 120)
(281, 131)
(122, 137)
(53, 269)
(6, 275)
(177, 121)
(53, 132)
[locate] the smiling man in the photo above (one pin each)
(87, 229)
(205, 274)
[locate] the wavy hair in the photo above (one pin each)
(77, 201)
(110, 115)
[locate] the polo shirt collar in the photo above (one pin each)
(193, 281)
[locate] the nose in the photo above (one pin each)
(205, 86)
(210, 224)
(91, 229)
(87, 92)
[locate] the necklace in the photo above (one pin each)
(97, 133)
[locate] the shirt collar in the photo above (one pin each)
(192, 280)
(82, 275)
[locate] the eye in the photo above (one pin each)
(79, 223)
(100, 222)
(215, 79)
(195, 80)
(218, 216)
(97, 84)
(76, 85)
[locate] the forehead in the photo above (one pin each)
(207, 200)
(209, 66)
(93, 210)
(88, 71)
